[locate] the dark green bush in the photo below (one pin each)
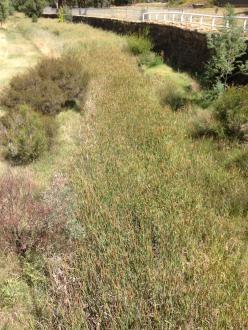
(33, 7)
(231, 111)
(25, 135)
(139, 44)
(51, 86)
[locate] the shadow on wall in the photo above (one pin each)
(184, 49)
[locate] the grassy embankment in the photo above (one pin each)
(164, 219)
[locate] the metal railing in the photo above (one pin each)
(167, 16)
(200, 21)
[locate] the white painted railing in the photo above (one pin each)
(167, 16)
(187, 19)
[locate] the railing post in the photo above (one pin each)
(213, 23)
(182, 18)
(201, 20)
(191, 19)
(173, 17)
(244, 26)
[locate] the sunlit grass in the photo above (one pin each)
(164, 219)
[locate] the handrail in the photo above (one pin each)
(186, 13)
(192, 19)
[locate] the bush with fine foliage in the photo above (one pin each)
(150, 59)
(54, 84)
(31, 221)
(139, 44)
(174, 97)
(202, 124)
(25, 135)
(231, 111)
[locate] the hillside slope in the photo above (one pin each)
(162, 241)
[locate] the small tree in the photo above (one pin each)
(34, 7)
(4, 10)
(227, 49)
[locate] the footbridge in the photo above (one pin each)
(182, 18)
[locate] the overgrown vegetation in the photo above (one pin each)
(227, 118)
(4, 11)
(141, 46)
(33, 222)
(227, 113)
(157, 220)
(173, 96)
(53, 85)
(231, 110)
(239, 160)
(33, 8)
(26, 134)
(64, 14)
(227, 49)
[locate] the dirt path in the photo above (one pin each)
(16, 54)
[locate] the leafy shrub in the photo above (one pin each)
(174, 97)
(4, 10)
(224, 63)
(22, 215)
(231, 111)
(33, 7)
(202, 124)
(11, 8)
(50, 86)
(25, 135)
(208, 96)
(150, 59)
(176, 100)
(138, 45)
(18, 4)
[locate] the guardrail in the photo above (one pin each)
(182, 18)
(202, 21)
